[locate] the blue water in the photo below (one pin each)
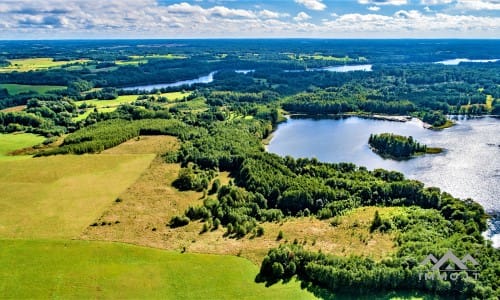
(468, 168)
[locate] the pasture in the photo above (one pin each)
(11, 142)
(40, 63)
(15, 89)
(58, 196)
(90, 270)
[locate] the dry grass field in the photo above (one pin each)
(58, 196)
(144, 209)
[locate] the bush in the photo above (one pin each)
(178, 221)
(280, 236)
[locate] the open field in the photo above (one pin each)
(41, 63)
(174, 96)
(14, 108)
(58, 196)
(79, 269)
(15, 89)
(147, 206)
(109, 103)
(11, 142)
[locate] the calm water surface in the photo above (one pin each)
(148, 88)
(469, 168)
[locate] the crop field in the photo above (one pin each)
(15, 89)
(31, 64)
(11, 142)
(58, 196)
(110, 270)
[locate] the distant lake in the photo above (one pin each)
(456, 61)
(148, 88)
(341, 69)
(469, 168)
(244, 72)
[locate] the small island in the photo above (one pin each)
(395, 146)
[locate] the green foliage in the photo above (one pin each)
(393, 145)
(107, 134)
(193, 179)
(419, 233)
(178, 221)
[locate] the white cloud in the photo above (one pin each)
(478, 4)
(267, 14)
(312, 4)
(147, 18)
(427, 9)
(383, 2)
(301, 17)
(374, 8)
(435, 2)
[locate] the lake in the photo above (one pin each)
(456, 61)
(468, 168)
(148, 88)
(341, 69)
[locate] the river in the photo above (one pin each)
(468, 168)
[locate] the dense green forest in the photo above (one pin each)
(221, 127)
(397, 146)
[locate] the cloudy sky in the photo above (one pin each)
(53, 19)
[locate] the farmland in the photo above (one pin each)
(15, 89)
(46, 201)
(112, 270)
(57, 197)
(32, 64)
(11, 142)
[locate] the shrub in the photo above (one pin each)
(178, 221)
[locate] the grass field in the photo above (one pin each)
(174, 96)
(46, 200)
(489, 102)
(111, 105)
(148, 204)
(96, 270)
(15, 89)
(14, 108)
(58, 196)
(11, 142)
(31, 64)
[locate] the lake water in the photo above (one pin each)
(148, 88)
(468, 168)
(341, 69)
(456, 61)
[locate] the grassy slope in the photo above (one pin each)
(149, 203)
(15, 89)
(78, 269)
(58, 196)
(31, 64)
(11, 142)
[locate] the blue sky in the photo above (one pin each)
(53, 19)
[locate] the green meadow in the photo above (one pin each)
(79, 269)
(40, 63)
(59, 196)
(46, 203)
(15, 89)
(11, 142)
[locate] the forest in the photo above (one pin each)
(221, 126)
(397, 146)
